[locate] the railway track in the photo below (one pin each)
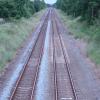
(26, 82)
(62, 81)
(64, 86)
(46, 73)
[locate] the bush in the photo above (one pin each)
(87, 9)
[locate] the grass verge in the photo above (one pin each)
(91, 34)
(13, 34)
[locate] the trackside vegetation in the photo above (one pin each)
(15, 9)
(89, 33)
(13, 34)
(82, 17)
(22, 17)
(88, 10)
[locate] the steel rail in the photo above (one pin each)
(54, 64)
(24, 67)
(66, 58)
(34, 84)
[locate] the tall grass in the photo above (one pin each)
(91, 34)
(13, 34)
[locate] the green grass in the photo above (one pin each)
(13, 34)
(94, 53)
(91, 34)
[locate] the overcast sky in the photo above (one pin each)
(50, 1)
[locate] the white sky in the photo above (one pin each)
(50, 1)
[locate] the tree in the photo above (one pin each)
(87, 9)
(38, 5)
(19, 8)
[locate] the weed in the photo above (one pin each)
(13, 34)
(90, 33)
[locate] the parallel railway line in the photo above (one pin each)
(25, 85)
(64, 88)
(71, 91)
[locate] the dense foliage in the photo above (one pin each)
(19, 8)
(88, 9)
(82, 18)
(38, 5)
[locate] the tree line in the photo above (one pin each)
(89, 10)
(19, 8)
